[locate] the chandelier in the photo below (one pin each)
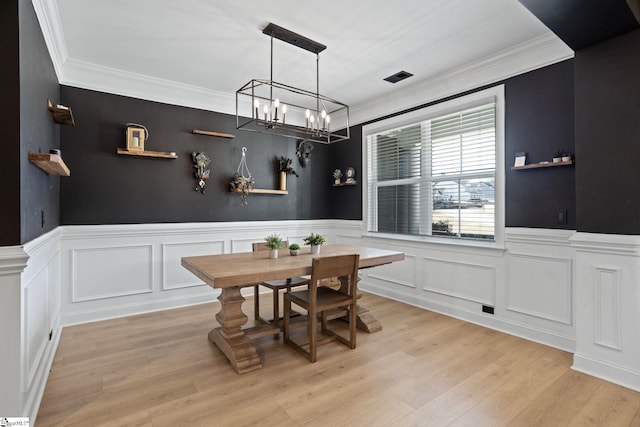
(274, 108)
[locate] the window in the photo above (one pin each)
(433, 172)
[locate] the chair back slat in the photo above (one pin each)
(262, 246)
(335, 266)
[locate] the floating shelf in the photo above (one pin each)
(50, 163)
(61, 115)
(210, 133)
(263, 191)
(345, 184)
(146, 153)
(541, 165)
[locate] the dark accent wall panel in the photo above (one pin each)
(608, 136)
(347, 200)
(9, 124)
(40, 192)
(106, 188)
(539, 120)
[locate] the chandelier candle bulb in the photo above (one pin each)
(328, 121)
(307, 113)
(257, 104)
(266, 113)
(276, 104)
(284, 112)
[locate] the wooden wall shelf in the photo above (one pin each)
(146, 153)
(211, 133)
(50, 163)
(61, 115)
(541, 165)
(263, 191)
(345, 184)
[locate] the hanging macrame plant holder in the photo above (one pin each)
(242, 181)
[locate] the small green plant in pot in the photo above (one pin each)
(294, 249)
(315, 240)
(274, 242)
(337, 174)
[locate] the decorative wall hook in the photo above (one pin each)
(201, 163)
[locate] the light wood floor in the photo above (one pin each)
(422, 369)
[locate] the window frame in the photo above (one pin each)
(475, 99)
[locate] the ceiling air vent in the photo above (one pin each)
(401, 75)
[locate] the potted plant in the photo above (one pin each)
(274, 242)
(566, 157)
(294, 249)
(242, 185)
(315, 240)
(284, 166)
(337, 174)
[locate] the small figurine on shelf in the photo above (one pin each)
(337, 174)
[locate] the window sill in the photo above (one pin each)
(438, 241)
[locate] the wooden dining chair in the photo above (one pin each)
(275, 286)
(318, 299)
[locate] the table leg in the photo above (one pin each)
(229, 337)
(365, 320)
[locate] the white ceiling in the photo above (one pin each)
(199, 52)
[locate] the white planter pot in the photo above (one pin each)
(273, 253)
(294, 252)
(315, 249)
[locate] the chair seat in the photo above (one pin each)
(327, 298)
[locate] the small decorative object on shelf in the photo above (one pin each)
(240, 182)
(201, 162)
(337, 174)
(351, 175)
(304, 152)
(294, 249)
(136, 136)
(521, 159)
(284, 166)
(315, 241)
(274, 242)
(561, 156)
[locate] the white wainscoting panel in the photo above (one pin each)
(397, 273)
(174, 276)
(607, 308)
(107, 272)
(459, 279)
(541, 287)
(36, 321)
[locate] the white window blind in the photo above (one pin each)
(435, 177)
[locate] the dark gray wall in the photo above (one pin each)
(608, 136)
(539, 119)
(106, 188)
(9, 124)
(39, 192)
(347, 201)
(28, 78)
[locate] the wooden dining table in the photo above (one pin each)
(231, 272)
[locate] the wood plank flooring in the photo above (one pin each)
(422, 369)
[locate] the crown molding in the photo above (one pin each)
(49, 19)
(105, 79)
(533, 54)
